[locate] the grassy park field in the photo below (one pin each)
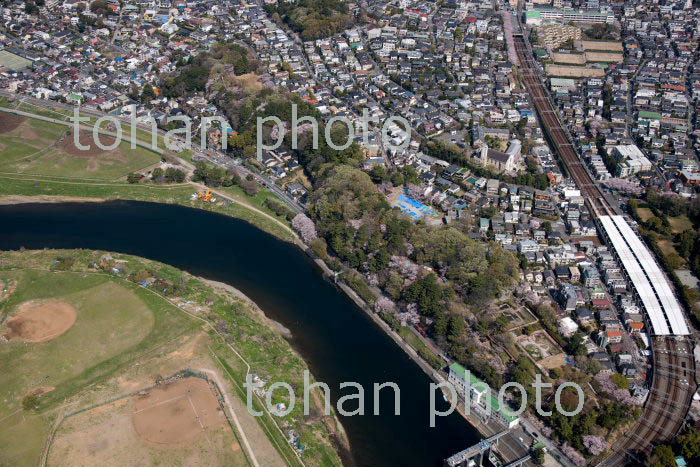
(38, 160)
(116, 360)
(36, 147)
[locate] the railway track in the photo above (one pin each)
(669, 399)
(673, 377)
(554, 130)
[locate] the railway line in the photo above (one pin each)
(555, 132)
(673, 363)
(668, 403)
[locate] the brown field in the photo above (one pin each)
(680, 224)
(41, 321)
(666, 247)
(574, 71)
(85, 138)
(10, 122)
(250, 82)
(571, 59)
(604, 57)
(540, 347)
(177, 424)
(645, 214)
(554, 361)
(176, 412)
(40, 390)
(611, 46)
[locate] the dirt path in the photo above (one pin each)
(245, 429)
(20, 199)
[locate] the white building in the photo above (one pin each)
(631, 160)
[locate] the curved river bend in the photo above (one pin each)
(337, 340)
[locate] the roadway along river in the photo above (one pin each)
(338, 341)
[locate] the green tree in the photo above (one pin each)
(31, 8)
(576, 345)
(148, 93)
(30, 402)
(538, 455)
(428, 294)
(456, 328)
(620, 381)
(662, 456)
(378, 173)
(397, 179)
(100, 7)
(689, 445)
(440, 325)
(173, 175)
(158, 175)
(613, 414)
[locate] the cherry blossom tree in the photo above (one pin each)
(541, 427)
(305, 227)
(410, 316)
(595, 444)
(615, 393)
(575, 456)
(407, 268)
(384, 304)
(355, 223)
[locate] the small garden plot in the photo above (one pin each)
(539, 346)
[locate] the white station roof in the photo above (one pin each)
(664, 311)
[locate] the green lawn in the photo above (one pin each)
(258, 200)
(37, 147)
(423, 350)
(44, 111)
(33, 162)
(645, 214)
(110, 320)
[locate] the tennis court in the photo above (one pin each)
(13, 61)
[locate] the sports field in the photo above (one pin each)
(63, 330)
(12, 61)
(176, 423)
(36, 147)
(98, 369)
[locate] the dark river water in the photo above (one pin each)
(337, 340)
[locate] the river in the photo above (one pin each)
(338, 341)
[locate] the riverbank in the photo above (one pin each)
(337, 432)
(328, 273)
(21, 189)
(338, 343)
(220, 286)
(221, 347)
(509, 447)
(18, 199)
